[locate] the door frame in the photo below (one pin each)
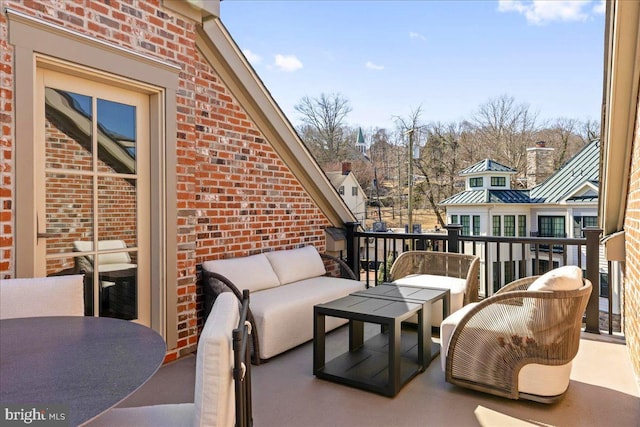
(36, 42)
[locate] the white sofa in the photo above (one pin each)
(284, 285)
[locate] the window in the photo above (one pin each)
(475, 182)
(604, 285)
(354, 191)
(476, 225)
(454, 219)
(580, 222)
(510, 225)
(496, 225)
(544, 266)
(464, 219)
(522, 226)
(551, 226)
(497, 276)
(341, 190)
(498, 181)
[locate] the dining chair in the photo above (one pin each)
(42, 296)
(214, 396)
(518, 343)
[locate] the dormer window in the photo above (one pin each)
(498, 181)
(475, 182)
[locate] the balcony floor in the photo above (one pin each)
(603, 391)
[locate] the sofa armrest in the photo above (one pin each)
(345, 271)
(214, 284)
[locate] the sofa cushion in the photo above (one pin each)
(296, 264)
(214, 389)
(252, 272)
(42, 296)
(284, 315)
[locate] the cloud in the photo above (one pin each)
(414, 35)
(600, 7)
(540, 12)
(288, 63)
(252, 57)
(370, 65)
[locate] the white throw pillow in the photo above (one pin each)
(296, 264)
(251, 272)
(567, 278)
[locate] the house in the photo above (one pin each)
(346, 183)
(558, 204)
(146, 127)
(619, 216)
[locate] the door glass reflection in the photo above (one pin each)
(116, 137)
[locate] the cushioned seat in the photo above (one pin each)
(42, 296)
(455, 285)
(518, 343)
(214, 403)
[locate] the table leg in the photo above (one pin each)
(394, 357)
(356, 334)
(318, 340)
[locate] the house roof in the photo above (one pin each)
(581, 168)
(486, 165)
(564, 185)
(336, 178)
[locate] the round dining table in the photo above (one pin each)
(74, 368)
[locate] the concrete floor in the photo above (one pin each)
(603, 392)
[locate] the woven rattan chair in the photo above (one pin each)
(518, 343)
(440, 264)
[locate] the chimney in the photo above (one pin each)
(346, 168)
(539, 163)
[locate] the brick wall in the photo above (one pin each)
(235, 195)
(632, 273)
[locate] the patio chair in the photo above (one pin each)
(520, 342)
(42, 296)
(222, 395)
(440, 270)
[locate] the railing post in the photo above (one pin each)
(593, 274)
(453, 237)
(353, 258)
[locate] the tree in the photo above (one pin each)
(324, 133)
(503, 130)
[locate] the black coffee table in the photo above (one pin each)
(385, 362)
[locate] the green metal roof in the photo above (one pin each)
(581, 169)
(486, 165)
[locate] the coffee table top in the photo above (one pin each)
(403, 293)
(368, 308)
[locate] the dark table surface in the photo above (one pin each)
(84, 365)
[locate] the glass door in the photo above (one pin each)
(92, 203)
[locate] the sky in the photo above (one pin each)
(389, 58)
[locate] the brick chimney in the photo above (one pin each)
(539, 164)
(346, 168)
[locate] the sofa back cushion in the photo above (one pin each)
(252, 272)
(566, 278)
(214, 391)
(296, 264)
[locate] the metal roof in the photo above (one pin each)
(486, 165)
(473, 197)
(581, 168)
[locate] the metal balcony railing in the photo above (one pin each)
(503, 259)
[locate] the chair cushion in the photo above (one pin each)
(566, 278)
(455, 285)
(214, 389)
(168, 415)
(42, 296)
(296, 264)
(252, 272)
(284, 315)
(547, 318)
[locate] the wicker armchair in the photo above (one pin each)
(440, 264)
(518, 343)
